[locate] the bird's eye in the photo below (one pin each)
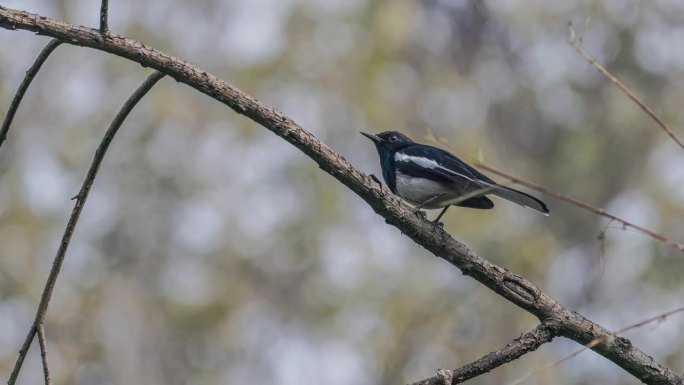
(393, 138)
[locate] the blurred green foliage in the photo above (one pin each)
(212, 251)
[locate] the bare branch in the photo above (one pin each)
(575, 202)
(522, 345)
(577, 44)
(104, 26)
(44, 354)
(19, 95)
(22, 354)
(432, 237)
(597, 341)
(659, 317)
(75, 214)
(596, 210)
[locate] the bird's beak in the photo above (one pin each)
(376, 139)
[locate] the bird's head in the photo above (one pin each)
(388, 141)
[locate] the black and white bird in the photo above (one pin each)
(431, 178)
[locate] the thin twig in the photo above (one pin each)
(596, 210)
(598, 341)
(659, 317)
(514, 288)
(22, 354)
(522, 345)
(586, 206)
(104, 25)
(576, 43)
(76, 212)
(44, 354)
(19, 95)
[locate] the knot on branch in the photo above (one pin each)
(622, 343)
(521, 289)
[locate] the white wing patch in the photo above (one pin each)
(422, 162)
(428, 163)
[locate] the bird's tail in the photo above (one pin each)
(520, 198)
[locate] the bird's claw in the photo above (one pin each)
(420, 214)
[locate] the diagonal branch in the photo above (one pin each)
(575, 202)
(566, 198)
(44, 354)
(576, 43)
(522, 345)
(75, 214)
(19, 95)
(514, 288)
(591, 344)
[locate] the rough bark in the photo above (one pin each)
(522, 345)
(514, 288)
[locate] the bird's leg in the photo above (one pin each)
(427, 202)
(440, 215)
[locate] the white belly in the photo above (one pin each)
(417, 191)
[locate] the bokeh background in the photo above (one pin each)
(211, 251)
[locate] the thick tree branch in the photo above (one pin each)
(75, 214)
(659, 317)
(526, 343)
(19, 95)
(514, 288)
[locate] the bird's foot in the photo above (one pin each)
(436, 222)
(420, 214)
(375, 179)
